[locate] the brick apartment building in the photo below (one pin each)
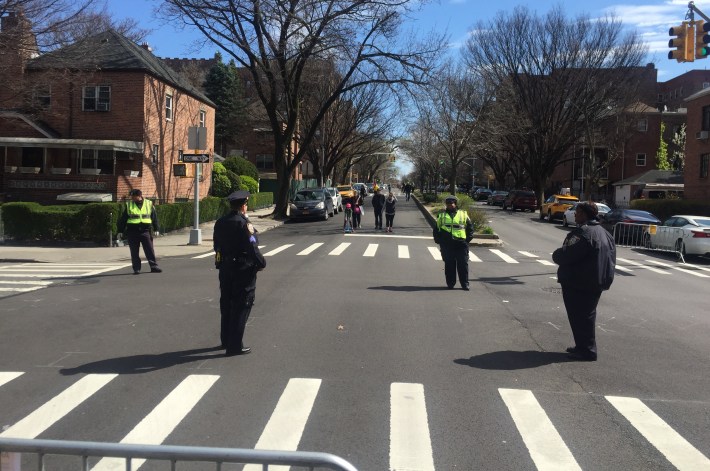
(697, 147)
(91, 121)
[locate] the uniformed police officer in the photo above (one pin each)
(237, 257)
(587, 260)
(453, 232)
(136, 222)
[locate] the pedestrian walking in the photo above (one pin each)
(453, 232)
(357, 202)
(238, 259)
(407, 191)
(136, 223)
(378, 204)
(389, 211)
(587, 260)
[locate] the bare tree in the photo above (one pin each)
(556, 78)
(275, 40)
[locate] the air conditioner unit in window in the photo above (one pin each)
(102, 107)
(702, 134)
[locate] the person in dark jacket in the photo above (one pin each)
(587, 260)
(356, 202)
(378, 204)
(390, 203)
(238, 259)
(136, 222)
(453, 232)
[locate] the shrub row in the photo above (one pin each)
(260, 200)
(665, 208)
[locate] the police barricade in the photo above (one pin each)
(11, 447)
(649, 237)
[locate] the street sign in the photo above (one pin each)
(196, 158)
(196, 138)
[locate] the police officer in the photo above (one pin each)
(453, 232)
(587, 260)
(136, 222)
(237, 257)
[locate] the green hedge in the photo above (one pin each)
(665, 208)
(260, 200)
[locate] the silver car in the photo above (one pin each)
(337, 199)
(568, 216)
(689, 235)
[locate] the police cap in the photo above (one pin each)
(238, 196)
(451, 199)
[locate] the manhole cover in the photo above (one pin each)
(553, 290)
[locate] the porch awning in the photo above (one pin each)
(103, 144)
(86, 197)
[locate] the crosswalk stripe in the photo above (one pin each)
(277, 250)
(340, 248)
(527, 254)
(473, 257)
(545, 262)
(161, 421)
(624, 269)
(371, 250)
(204, 255)
(22, 290)
(57, 407)
(435, 253)
(506, 258)
(32, 282)
(661, 435)
(7, 376)
(402, 251)
(641, 265)
(689, 272)
(310, 249)
(410, 444)
(698, 267)
(287, 422)
(547, 449)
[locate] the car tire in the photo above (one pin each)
(541, 216)
(512, 208)
(325, 215)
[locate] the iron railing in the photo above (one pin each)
(650, 237)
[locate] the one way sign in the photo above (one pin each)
(195, 158)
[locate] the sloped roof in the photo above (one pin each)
(654, 176)
(112, 51)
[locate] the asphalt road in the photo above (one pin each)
(371, 357)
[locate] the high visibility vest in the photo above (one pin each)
(456, 226)
(137, 215)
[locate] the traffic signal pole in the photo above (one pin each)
(690, 41)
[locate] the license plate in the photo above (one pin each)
(305, 211)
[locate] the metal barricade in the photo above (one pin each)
(172, 453)
(650, 237)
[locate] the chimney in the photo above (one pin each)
(147, 47)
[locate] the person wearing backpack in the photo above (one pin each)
(587, 260)
(378, 204)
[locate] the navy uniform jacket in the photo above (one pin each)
(587, 258)
(237, 249)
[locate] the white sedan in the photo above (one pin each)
(568, 216)
(689, 235)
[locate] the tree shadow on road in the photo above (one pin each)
(147, 363)
(510, 360)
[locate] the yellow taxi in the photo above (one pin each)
(555, 206)
(346, 191)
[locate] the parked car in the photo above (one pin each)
(689, 235)
(346, 191)
(359, 187)
(337, 199)
(632, 225)
(555, 206)
(482, 194)
(497, 198)
(568, 217)
(312, 203)
(521, 199)
(370, 187)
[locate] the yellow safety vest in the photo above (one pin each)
(456, 226)
(138, 215)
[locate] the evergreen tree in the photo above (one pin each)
(223, 87)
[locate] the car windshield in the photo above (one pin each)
(703, 222)
(603, 208)
(332, 191)
(525, 193)
(639, 213)
(567, 200)
(344, 188)
(309, 196)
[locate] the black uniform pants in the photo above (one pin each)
(582, 314)
(455, 261)
(235, 303)
(378, 217)
(137, 238)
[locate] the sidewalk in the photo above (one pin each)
(172, 244)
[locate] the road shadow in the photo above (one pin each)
(409, 288)
(511, 360)
(147, 363)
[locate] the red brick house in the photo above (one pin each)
(697, 147)
(96, 119)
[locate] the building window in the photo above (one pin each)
(704, 164)
(168, 107)
(660, 97)
(706, 119)
(180, 155)
(42, 97)
(203, 118)
(640, 160)
(706, 85)
(680, 92)
(101, 160)
(265, 162)
(96, 98)
(642, 125)
(154, 154)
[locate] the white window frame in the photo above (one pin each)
(99, 103)
(642, 125)
(42, 96)
(638, 159)
(154, 154)
(263, 159)
(169, 107)
(203, 118)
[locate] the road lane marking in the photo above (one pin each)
(641, 265)
(624, 269)
(371, 250)
(57, 407)
(661, 435)
(547, 449)
(473, 257)
(527, 254)
(340, 248)
(410, 444)
(277, 250)
(285, 428)
(161, 421)
(7, 376)
(402, 251)
(389, 236)
(698, 267)
(689, 272)
(506, 258)
(204, 255)
(310, 249)
(545, 262)
(435, 252)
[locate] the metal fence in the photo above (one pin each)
(650, 237)
(134, 455)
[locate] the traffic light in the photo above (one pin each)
(391, 157)
(685, 46)
(702, 39)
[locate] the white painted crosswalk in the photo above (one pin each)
(410, 427)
